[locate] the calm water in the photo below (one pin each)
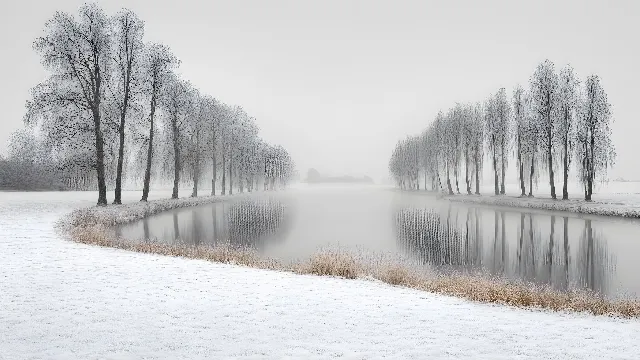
(558, 249)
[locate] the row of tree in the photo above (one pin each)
(558, 121)
(114, 104)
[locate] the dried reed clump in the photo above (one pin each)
(332, 263)
(345, 264)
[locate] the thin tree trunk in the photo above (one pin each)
(521, 169)
(495, 177)
(230, 171)
(466, 171)
(449, 182)
(591, 169)
(196, 170)
(224, 172)
(123, 115)
(147, 171)
(102, 187)
(215, 174)
(176, 157)
(531, 174)
(565, 192)
(477, 162)
(550, 161)
(502, 156)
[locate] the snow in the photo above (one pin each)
(615, 199)
(62, 300)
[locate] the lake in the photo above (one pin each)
(562, 250)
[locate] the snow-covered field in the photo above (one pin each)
(62, 300)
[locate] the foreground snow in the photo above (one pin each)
(62, 300)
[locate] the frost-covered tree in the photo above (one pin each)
(494, 133)
(77, 52)
(565, 134)
(128, 32)
(544, 92)
(594, 151)
(177, 102)
(502, 112)
(519, 123)
(477, 144)
(158, 63)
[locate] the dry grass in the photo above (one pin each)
(89, 227)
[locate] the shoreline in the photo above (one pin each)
(94, 226)
(580, 207)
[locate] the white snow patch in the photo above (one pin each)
(62, 300)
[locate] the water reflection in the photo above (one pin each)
(244, 222)
(554, 250)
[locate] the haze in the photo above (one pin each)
(337, 83)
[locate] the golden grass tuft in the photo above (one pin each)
(341, 263)
(332, 263)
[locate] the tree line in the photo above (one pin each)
(557, 122)
(114, 106)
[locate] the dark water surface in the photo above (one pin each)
(562, 250)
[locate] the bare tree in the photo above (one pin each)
(492, 124)
(158, 63)
(503, 115)
(544, 92)
(567, 103)
(76, 52)
(177, 103)
(595, 151)
(520, 132)
(128, 33)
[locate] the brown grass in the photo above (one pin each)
(344, 264)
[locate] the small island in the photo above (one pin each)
(314, 177)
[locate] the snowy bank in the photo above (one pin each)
(111, 215)
(600, 208)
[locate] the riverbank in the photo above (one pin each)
(94, 226)
(620, 207)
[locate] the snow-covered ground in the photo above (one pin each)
(621, 199)
(62, 300)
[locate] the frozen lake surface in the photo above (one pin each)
(62, 300)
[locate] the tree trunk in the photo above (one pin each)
(591, 168)
(565, 167)
(521, 169)
(176, 157)
(196, 170)
(215, 174)
(502, 156)
(147, 172)
(449, 182)
(550, 161)
(466, 171)
(495, 176)
(123, 115)
(455, 174)
(230, 171)
(102, 187)
(477, 162)
(224, 173)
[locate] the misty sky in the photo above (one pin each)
(338, 82)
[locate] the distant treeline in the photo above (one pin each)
(313, 176)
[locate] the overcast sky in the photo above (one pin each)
(338, 82)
